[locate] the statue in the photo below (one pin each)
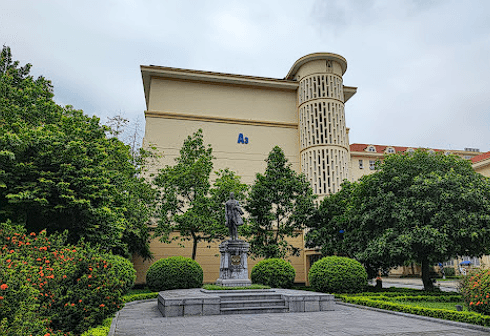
(233, 270)
(233, 217)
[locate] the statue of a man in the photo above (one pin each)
(233, 217)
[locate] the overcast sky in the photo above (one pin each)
(422, 67)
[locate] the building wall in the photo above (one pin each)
(222, 100)
(245, 159)
(208, 256)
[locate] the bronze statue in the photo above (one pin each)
(233, 217)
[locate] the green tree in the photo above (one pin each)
(59, 171)
(418, 207)
(280, 204)
(188, 203)
(327, 227)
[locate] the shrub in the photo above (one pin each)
(123, 269)
(449, 271)
(475, 289)
(337, 275)
(273, 272)
(48, 285)
(174, 273)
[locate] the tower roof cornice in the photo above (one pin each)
(314, 57)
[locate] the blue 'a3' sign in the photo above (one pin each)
(242, 139)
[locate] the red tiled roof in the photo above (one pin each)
(356, 147)
(480, 157)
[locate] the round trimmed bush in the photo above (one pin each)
(337, 275)
(122, 269)
(273, 272)
(475, 289)
(174, 273)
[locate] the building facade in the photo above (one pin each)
(244, 117)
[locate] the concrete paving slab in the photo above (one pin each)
(144, 318)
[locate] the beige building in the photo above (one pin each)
(244, 117)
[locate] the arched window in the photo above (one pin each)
(390, 150)
(371, 149)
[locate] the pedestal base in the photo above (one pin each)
(233, 270)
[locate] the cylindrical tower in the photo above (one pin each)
(324, 147)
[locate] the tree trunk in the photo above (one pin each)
(195, 240)
(426, 280)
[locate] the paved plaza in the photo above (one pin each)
(144, 319)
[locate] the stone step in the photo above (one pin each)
(254, 303)
(254, 310)
(251, 297)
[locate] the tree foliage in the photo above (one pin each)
(188, 203)
(280, 204)
(59, 171)
(327, 227)
(418, 207)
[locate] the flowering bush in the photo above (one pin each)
(47, 286)
(475, 289)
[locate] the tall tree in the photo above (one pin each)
(327, 227)
(280, 204)
(59, 171)
(418, 207)
(188, 203)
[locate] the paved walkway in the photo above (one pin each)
(448, 286)
(144, 318)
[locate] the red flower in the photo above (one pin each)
(102, 305)
(4, 286)
(1, 297)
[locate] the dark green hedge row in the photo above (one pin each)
(466, 317)
(404, 297)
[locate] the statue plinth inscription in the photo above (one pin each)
(233, 271)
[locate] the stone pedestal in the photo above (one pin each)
(233, 271)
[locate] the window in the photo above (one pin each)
(372, 164)
(431, 152)
(361, 164)
(447, 153)
(473, 260)
(410, 150)
(390, 150)
(371, 149)
(467, 157)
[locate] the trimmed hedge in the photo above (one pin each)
(274, 272)
(338, 275)
(466, 317)
(174, 273)
(102, 330)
